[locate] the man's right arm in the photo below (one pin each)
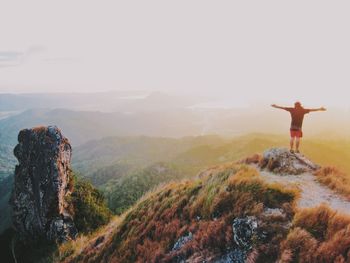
(279, 107)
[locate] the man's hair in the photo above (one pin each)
(297, 104)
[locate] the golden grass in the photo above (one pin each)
(39, 129)
(318, 235)
(335, 179)
(74, 248)
(204, 206)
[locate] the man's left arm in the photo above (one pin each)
(318, 109)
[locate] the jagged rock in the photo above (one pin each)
(182, 241)
(282, 161)
(181, 258)
(43, 180)
(244, 230)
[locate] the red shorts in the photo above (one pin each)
(296, 133)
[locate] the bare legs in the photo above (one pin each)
(297, 143)
(292, 143)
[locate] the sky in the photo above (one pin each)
(273, 51)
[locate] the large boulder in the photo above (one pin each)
(282, 161)
(43, 180)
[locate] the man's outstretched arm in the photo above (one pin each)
(279, 107)
(318, 109)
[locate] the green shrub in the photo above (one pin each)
(90, 210)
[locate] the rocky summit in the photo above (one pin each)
(43, 180)
(282, 161)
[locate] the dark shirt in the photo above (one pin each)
(297, 115)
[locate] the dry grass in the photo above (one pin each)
(72, 249)
(39, 129)
(319, 235)
(335, 179)
(205, 207)
(253, 159)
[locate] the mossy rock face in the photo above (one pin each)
(42, 183)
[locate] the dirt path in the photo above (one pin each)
(312, 192)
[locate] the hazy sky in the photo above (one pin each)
(275, 51)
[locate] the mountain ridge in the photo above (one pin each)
(207, 218)
(248, 210)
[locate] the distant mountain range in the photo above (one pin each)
(122, 101)
(83, 126)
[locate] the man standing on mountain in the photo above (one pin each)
(297, 113)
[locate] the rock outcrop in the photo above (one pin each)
(244, 230)
(43, 180)
(182, 241)
(282, 161)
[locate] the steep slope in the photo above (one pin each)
(229, 213)
(206, 218)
